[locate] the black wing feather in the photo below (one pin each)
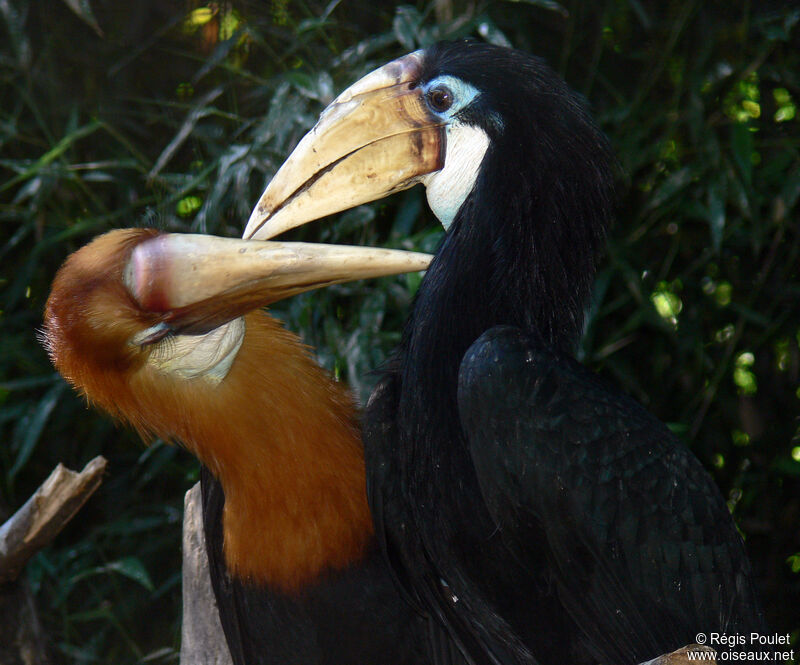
(636, 534)
(452, 639)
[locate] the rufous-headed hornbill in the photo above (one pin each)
(148, 327)
(540, 515)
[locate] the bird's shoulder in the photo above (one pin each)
(623, 514)
(521, 398)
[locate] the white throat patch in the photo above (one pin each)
(448, 188)
(209, 356)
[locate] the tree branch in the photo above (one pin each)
(202, 639)
(45, 514)
(681, 656)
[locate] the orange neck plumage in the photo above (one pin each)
(282, 439)
(277, 432)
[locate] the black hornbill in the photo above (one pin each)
(540, 515)
(149, 327)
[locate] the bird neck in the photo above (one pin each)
(521, 252)
(248, 401)
(283, 440)
(281, 437)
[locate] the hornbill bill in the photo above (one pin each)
(540, 515)
(157, 330)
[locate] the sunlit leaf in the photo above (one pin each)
(199, 17)
(492, 34)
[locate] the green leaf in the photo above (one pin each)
(30, 428)
(549, 5)
(51, 155)
(130, 567)
(406, 26)
(716, 213)
(492, 34)
(674, 183)
(742, 147)
(83, 10)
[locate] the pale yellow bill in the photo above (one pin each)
(211, 280)
(375, 138)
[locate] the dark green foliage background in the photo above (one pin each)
(175, 114)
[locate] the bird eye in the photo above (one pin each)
(440, 98)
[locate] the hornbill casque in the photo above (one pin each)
(157, 330)
(538, 514)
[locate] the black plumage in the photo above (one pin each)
(637, 538)
(536, 513)
(348, 616)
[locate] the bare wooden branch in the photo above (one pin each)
(681, 656)
(202, 639)
(43, 516)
